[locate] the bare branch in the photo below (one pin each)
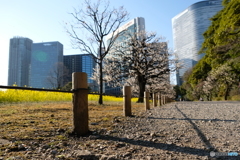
(96, 22)
(142, 57)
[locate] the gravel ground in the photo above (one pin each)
(186, 130)
(181, 130)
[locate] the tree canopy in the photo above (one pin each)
(141, 61)
(221, 45)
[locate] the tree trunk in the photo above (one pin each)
(227, 92)
(100, 101)
(142, 86)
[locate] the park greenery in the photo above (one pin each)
(217, 75)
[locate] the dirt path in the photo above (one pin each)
(186, 130)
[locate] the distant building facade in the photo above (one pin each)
(19, 61)
(81, 63)
(46, 65)
(188, 28)
(136, 25)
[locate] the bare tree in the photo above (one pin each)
(92, 26)
(142, 59)
(58, 76)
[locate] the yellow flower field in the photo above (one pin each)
(13, 95)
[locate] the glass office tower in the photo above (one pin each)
(46, 63)
(19, 61)
(81, 63)
(136, 25)
(188, 28)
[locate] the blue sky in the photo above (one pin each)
(42, 21)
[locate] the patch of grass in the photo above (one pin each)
(235, 98)
(41, 121)
(105, 119)
(8, 112)
(51, 123)
(31, 119)
(230, 98)
(218, 99)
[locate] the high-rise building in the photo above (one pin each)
(19, 61)
(46, 65)
(81, 63)
(188, 28)
(134, 26)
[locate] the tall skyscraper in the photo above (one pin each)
(46, 65)
(188, 28)
(19, 61)
(134, 26)
(81, 63)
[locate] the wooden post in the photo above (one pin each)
(164, 100)
(127, 101)
(154, 100)
(80, 103)
(159, 99)
(146, 100)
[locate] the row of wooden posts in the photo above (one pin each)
(80, 102)
(157, 100)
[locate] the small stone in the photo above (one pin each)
(108, 157)
(153, 134)
(82, 152)
(115, 120)
(104, 157)
(45, 146)
(154, 140)
(92, 137)
(29, 152)
(123, 139)
(64, 144)
(85, 154)
(94, 133)
(149, 158)
(94, 124)
(61, 130)
(61, 156)
(119, 145)
(147, 133)
(69, 156)
(127, 154)
(21, 147)
(168, 142)
(54, 152)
